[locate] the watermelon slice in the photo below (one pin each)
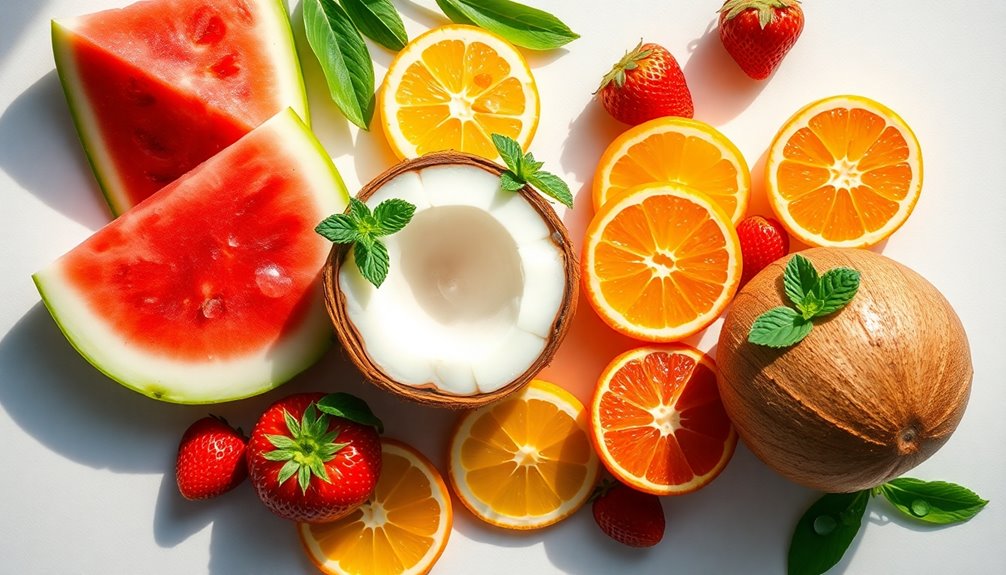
(159, 86)
(209, 290)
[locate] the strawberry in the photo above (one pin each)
(759, 33)
(763, 240)
(314, 457)
(628, 516)
(646, 83)
(211, 459)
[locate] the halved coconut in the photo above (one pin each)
(481, 287)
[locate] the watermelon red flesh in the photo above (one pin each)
(208, 290)
(161, 85)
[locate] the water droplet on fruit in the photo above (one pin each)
(273, 281)
(920, 508)
(491, 106)
(212, 307)
(232, 241)
(824, 525)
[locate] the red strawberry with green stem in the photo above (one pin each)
(646, 83)
(759, 33)
(314, 457)
(763, 240)
(211, 459)
(628, 516)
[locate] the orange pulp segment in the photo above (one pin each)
(844, 171)
(661, 262)
(678, 151)
(402, 529)
(452, 88)
(524, 462)
(658, 422)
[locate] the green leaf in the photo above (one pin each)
(280, 441)
(810, 306)
(509, 150)
(552, 186)
(779, 327)
(279, 454)
(372, 260)
(289, 469)
(825, 531)
(799, 279)
(350, 407)
(520, 24)
(835, 289)
(937, 502)
(344, 58)
(510, 182)
(358, 210)
(338, 229)
(379, 21)
(292, 425)
(392, 215)
(304, 477)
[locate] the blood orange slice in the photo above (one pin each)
(657, 420)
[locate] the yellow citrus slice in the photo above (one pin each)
(660, 262)
(844, 171)
(402, 529)
(454, 86)
(678, 151)
(658, 422)
(524, 462)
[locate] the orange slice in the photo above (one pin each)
(403, 528)
(844, 171)
(678, 151)
(454, 86)
(661, 262)
(524, 462)
(658, 422)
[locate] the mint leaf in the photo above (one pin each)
(379, 21)
(510, 182)
(553, 186)
(936, 502)
(825, 531)
(344, 58)
(510, 152)
(358, 210)
(835, 289)
(799, 279)
(350, 407)
(521, 25)
(338, 228)
(524, 169)
(779, 327)
(372, 259)
(392, 215)
(810, 306)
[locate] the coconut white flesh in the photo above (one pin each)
(474, 284)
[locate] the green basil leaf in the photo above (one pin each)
(379, 21)
(552, 186)
(392, 215)
(799, 279)
(372, 259)
(350, 407)
(825, 531)
(338, 229)
(835, 289)
(521, 25)
(779, 327)
(937, 502)
(344, 59)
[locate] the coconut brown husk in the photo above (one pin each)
(352, 342)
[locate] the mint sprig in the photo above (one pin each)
(524, 169)
(828, 527)
(813, 296)
(363, 228)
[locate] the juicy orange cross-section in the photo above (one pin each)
(525, 462)
(658, 422)
(677, 151)
(844, 171)
(452, 88)
(661, 262)
(402, 529)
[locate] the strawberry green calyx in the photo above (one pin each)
(306, 449)
(766, 8)
(630, 61)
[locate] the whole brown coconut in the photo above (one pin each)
(871, 392)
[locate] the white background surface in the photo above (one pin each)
(88, 484)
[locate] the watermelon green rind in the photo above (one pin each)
(170, 379)
(283, 54)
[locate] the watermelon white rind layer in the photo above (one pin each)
(276, 39)
(161, 373)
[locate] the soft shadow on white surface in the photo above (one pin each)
(720, 89)
(14, 19)
(40, 151)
